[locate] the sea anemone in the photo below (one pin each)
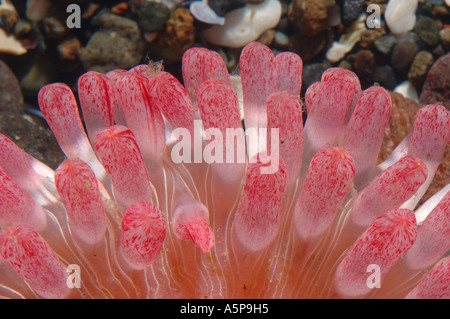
(155, 203)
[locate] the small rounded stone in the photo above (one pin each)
(153, 16)
(419, 68)
(351, 10)
(427, 30)
(403, 55)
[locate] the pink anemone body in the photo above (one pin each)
(167, 196)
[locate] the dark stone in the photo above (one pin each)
(435, 2)
(351, 9)
(312, 73)
(22, 28)
(54, 28)
(307, 47)
(32, 135)
(427, 30)
(222, 7)
(436, 89)
(385, 76)
(364, 63)
(11, 98)
(8, 19)
(117, 45)
(403, 55)
(153, 16)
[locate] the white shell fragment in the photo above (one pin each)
(10, 45)
(347, 41)
(202, 12)
(407, 90)
(400, 15)
(245, 25)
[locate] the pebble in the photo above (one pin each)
(407, 89)
(267, 38)
(427, 30)
(91, 9)
(41, 72)
(22, 28)
(101, 52)
(436, 89)
(385, 76)
(54, 28)
(444, 36)
(203, 12)
(312, 73)
(403, 55)
(32, 135)
(36, 10)
(363, 63)
(440, 11)
(11, 99)
(385, 44)
(351, 9)
(180, 31)
(222, 7)
(344, 64)
(368, 38)
(120, 8)
(8, 18)
(69, 49)
(310, 16)
(281, 39)
(334, 16)
(419, 68)
(307, 47)
(400, 123)
(153, 16)
(400, 15)
(10, 44)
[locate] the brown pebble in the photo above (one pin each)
(369, 36)
(307, 47)
(69, 49)
(364, 63)
(90, 11)
(120, 8)
(310, 16)
(267, 37)
(22, 28)
(8, 18)
(419, 68)
(444, 37)
(180, 32)
(400, 124)
(436, 89)
(54, 28)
